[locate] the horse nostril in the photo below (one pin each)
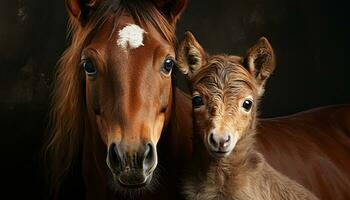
(225, 141)
(114, 159)
(149, 157)
(212, 140)
(219, 141)
(148, 153)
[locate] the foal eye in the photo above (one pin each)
(89, 67)
(197, 102)
(247, 105)
(168, 66)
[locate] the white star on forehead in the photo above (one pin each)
(131, 36)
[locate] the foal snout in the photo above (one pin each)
(132, 168)
(220, 144)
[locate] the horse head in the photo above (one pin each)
(114, 84)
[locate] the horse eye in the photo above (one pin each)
(168, 65)
(89, 67)
(247, 105)
(197, 101)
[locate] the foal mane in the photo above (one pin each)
(68, 117)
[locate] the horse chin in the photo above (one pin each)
(131, 182)
(219, 154)
(139, 184)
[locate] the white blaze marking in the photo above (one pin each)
(131, 36)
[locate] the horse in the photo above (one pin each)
(113, 100)
(225, 95)
(310, 147)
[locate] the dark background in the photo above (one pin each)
(311, 40)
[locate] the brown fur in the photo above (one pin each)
(222, 82)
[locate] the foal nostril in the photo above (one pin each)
(219, 141)
(149, 157)
(212, 140)
(114, 159)
(225, 141)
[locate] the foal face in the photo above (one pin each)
(225, 91)
(224, 99)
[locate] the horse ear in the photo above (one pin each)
(81, 9)
(260, 62)
(190, 55)
(171, 9)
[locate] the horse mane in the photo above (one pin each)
(68, 117)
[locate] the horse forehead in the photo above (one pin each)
(225, 88)
(125, 46)
(125, 35)
(135, 52)
(130, 37)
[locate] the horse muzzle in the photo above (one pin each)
(221, 144)
(132, 169)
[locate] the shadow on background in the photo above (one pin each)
(310, 39)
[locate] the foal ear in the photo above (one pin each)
(171, 9)
(81, 9)
(190, 55)
(260, 62)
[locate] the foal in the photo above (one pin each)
(225, 94)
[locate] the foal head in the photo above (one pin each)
(225, 91)
(117, 72)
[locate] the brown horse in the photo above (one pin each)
(225, 95)
(311, 148)
(113, 98)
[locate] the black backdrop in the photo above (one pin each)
(311, 40)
